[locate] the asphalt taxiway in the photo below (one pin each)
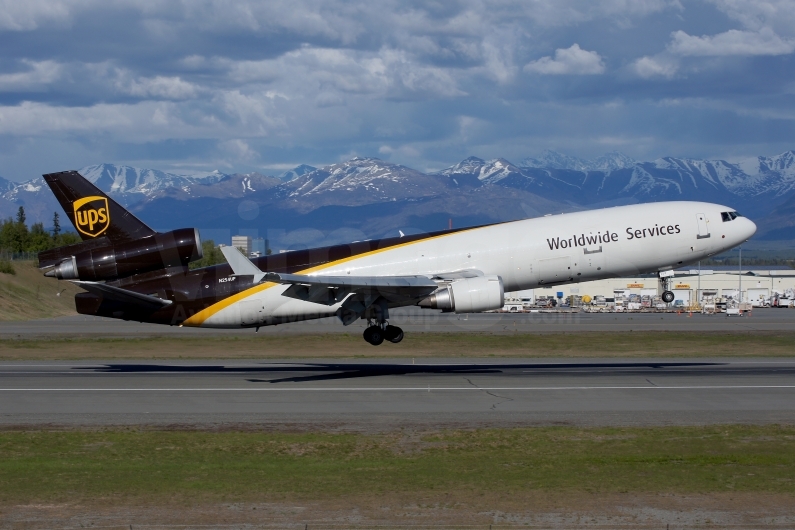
(385, 394)
(414, 320)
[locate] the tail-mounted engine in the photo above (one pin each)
(470, 295)
(159, 251)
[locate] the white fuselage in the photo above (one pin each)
(551, 250)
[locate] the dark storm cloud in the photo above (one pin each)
(239, 85)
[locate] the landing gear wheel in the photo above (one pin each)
(374, 335)
(668, 297)
(393, 334)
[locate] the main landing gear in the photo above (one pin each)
(378, 329)
(376, 333)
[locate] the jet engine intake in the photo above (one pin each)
(470, 295)
(171, 249)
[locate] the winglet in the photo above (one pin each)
(241, 265)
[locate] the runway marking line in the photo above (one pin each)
(398, 389)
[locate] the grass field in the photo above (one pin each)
(149, 465)
(596, 345)
(458, 474)
(28, 294)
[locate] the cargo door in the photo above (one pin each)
(251, 312)
(703, 226)
(554, 270)
(593, 262)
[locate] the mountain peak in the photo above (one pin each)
(612, 161)
(297, 171)
(555, 160)
(468, 166)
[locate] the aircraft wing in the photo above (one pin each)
(457, 275)
(329, 290)
(118, 294)
(332, 289)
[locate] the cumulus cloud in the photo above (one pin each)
(315, 80)
(240, 149)
(37, 76)
(385, 73)
(146, 121)
(732, 42)
(778, 15)
(573, 60)
(251, 110)
(31, 118)
(159, 87)
(30, 14)
(648, 67)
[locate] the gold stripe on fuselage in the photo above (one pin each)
(199, 318)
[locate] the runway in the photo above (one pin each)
(383, 395)
(414, 320)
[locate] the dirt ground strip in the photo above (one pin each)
(442, 510)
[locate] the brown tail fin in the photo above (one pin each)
(93, 213)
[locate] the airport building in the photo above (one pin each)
(259, 247)
(689, 287)
(243, 243)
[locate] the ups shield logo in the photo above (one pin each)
(92, 216)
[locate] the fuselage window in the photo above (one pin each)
(734, 215)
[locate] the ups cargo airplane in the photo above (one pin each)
(131, 272)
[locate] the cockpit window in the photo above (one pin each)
(729, 216)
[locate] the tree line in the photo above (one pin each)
(16, 237)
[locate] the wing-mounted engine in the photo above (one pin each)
(90, 261)
(468, 295)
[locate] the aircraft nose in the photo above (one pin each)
(749, 228)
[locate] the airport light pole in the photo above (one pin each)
(740, 274)
(698, 289)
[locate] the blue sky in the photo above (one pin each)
(200, 85)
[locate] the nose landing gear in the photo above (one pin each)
(377, 333)
(665, 280)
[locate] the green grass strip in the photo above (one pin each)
(581, 344)
(140, 464)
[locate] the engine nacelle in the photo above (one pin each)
(470, 295)
(172, 249)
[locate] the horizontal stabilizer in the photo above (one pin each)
(241, 265)
(117, 294)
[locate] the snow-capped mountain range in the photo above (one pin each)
(554, 160)
(376, 196)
